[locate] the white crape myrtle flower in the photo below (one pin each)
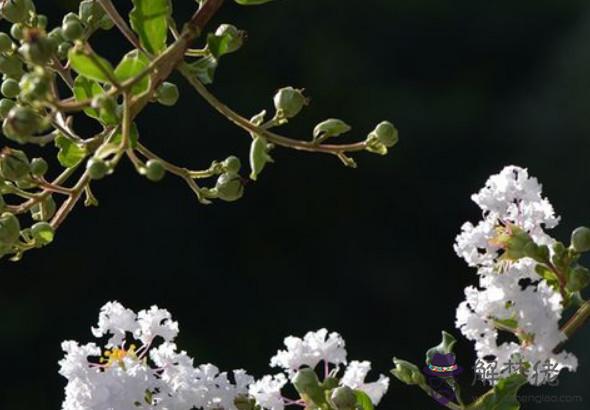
(311, 350)
(511, 291)
(120, 377)
(355, 375)
(267, 391)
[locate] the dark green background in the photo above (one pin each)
(472, 86)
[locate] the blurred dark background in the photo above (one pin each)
(472, 86)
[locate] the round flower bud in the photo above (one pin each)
(5, 106)
(306, 382)
(22, 122)
(70, 17)
(72, 30)
(11, 66)
(9, 229)
(41, 21)
(5, 43)
(407, 372)
(42, 233)
(229, 187)
(56, 35)
(289, 102)
(37, 48)
(44, 210)
(39, 167)
(234, 37)
(17, 11)
(167, 94)
(232, 164)
(63, 49)
(386, 133)
(97, 168)
(578, 278)
(14, 164)
(154, 170)
(343, 398)
(581, 239)
(17, 31)
(10, 88)
(34, 85)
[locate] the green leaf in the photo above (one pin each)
(204, 69)
(251, 2)
(132, 64)
(444, 347)
(70, 154)
(503, 396)
(363, 400)
(149, 19)
(87, 63)
(86, 89)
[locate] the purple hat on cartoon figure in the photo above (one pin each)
(443, 365)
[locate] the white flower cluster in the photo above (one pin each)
(511, 293)
(157, 376)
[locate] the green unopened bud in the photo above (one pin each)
(97, 168)
(407, 372)
(232, 164)
(21, 122)
(44, 210)
(14, 164)
(154, 170)
(11, 66)
(63, 49)
(289, 102)
(245, 402)
(167, 94)
(41, 21)
(17, 11)
(17, 31)
(35, 85)
(107, 108)
(578, 278)
(581, 239)
(72, 30)
(386, 133)
(229, 187)
(10, 88)
(37, 48)
(9, 229)
(539, 253)
(227, 39)
(42, 234)
(39, 167)
(330, 128)
(307, 384)
(343, 398)
(56, 35)
(259, 156)
(70, 17)
(5, 106)
(5, 43)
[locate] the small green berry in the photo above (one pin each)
(39, 167)
(72, 30)
(97, 168)
(154, 170)
(232, 164)
(581, 239)
(5, 43)
(42, 233)
(10, 88)
(167, 94)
